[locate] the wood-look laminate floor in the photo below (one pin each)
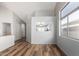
(23, 48)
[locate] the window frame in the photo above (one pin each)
(60, 32)
(61, 27)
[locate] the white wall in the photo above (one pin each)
(68, 45)
(28, 30)
(17, 27)
(23, 30)
(6, 42)
(6, 17)
(9, 17)
(47, 37)
(17, 30)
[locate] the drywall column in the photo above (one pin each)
(43, 37)
(28, 30)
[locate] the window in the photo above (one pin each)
(70, 21)
(74, 25)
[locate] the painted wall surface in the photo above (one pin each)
(68, 45)
(28, 30)
(42, 37)
(6, 17)
(17, 30)
(23, 30)
(6, 42)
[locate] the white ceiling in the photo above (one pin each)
(26, 9)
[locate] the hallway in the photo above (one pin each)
(23, 48)
(39, 29)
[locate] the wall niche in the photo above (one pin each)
(6, 29)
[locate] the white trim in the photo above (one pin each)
(59, 29)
